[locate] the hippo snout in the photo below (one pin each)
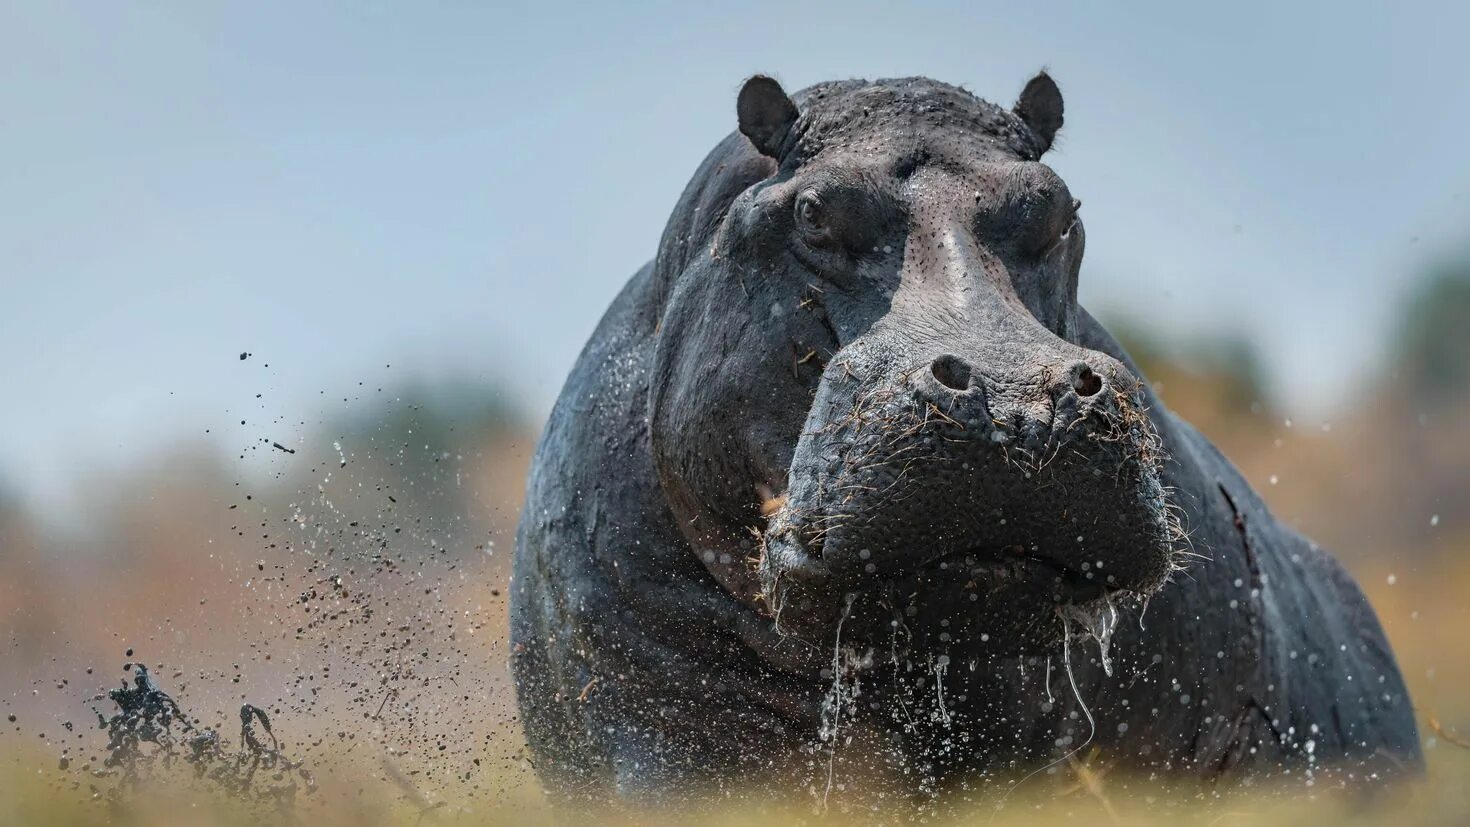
(992, 488)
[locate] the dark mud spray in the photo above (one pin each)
(148, 732)
(333, 617)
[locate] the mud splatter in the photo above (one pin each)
(346, 615)
(148, 732)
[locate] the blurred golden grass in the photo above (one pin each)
(1424, 605)
(45, 798)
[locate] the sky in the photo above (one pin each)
(458, 190)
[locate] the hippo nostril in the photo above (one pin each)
(952, 372)
(1086, 382)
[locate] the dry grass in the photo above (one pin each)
(1081, 793)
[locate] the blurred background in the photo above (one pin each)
(286, 293)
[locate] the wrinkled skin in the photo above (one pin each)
(848, 454)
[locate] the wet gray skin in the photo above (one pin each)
(851, 429)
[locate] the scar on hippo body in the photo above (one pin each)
(847, 455)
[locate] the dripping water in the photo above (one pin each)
(940, 667)
(1077, 694)
(834, 702)
(1098, 622)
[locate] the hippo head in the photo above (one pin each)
(869, 409)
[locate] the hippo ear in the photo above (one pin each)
(1040, 106)
(766, 114)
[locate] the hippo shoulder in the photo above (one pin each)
(1329, 686)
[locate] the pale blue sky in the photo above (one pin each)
(459, 190)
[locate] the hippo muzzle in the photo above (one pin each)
(967, 492)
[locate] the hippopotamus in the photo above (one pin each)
(847, 485)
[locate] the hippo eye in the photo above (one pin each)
(811, 218)
(1072, 221)
(1067, 228)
